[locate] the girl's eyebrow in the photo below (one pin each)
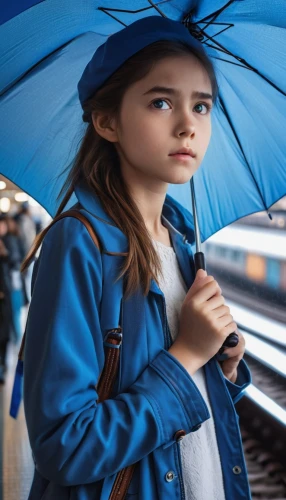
(196, 94)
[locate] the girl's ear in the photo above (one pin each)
(105, 127)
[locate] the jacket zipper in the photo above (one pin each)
(168, 343)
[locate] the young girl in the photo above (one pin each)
(147, 96)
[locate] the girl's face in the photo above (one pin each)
(167, 110)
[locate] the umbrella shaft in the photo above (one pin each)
(195, 217)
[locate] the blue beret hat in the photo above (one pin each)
(124, 44)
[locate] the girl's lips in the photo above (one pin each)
(182, 157)
(184, 151)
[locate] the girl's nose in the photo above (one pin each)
(185, 128)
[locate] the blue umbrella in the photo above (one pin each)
(45, 46)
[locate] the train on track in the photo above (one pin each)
(261, 219)
(251, 259)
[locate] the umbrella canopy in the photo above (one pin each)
(45, 46)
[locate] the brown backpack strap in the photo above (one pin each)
(122, 483)
(112, 343)
(105, 385)
(78, 215)
(106, 381)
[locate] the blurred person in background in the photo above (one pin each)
(5, 298)
(27, 233)
(15, 247)
(38, 223)
(27, 226)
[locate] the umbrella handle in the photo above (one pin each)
(233, 339)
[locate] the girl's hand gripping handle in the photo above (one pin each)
(232, 340)
(205, 323)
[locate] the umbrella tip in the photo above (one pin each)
(269, 215)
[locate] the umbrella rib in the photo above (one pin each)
(223, 30)
(240, 59)
(126, 11)
(21, 77)
(107, 11)
(157, 9)
(224, 51)
(102, 9)
(225, 60)
(242, 152)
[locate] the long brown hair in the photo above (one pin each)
(97, 162)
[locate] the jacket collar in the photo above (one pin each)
(178, 219)
(175, 217)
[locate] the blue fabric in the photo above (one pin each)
(17, 301)
(79, 445)
(17, 391)
(124, 44)
(15, 8)
(45, 49)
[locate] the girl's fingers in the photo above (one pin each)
(198, 284)
(206, 292)
(221, 311)
(215, 302)
(226, 320)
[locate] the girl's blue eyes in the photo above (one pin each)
(204, 104)
(201, 105)
(160, 101)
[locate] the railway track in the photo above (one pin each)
(253, 300)
(262, 411)
(266, 474)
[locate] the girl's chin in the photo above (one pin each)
(180, 177)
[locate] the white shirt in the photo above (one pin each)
(202, 474)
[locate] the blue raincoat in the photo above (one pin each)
(78, 445)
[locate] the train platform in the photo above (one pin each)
(16, 463)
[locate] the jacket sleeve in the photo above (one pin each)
(75, 440)
(243, 380)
